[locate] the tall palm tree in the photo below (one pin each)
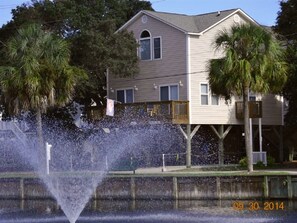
(38, 74)
(252, 60)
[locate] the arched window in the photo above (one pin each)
(145, 45)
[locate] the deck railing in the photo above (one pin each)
(255, 109)
(176, 112)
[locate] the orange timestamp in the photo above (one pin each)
(257, 206)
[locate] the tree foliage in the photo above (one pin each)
(286, 27)
(252, 60)
(286, 22)
(89, 27)
(37, 74)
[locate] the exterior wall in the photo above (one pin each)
(201, 51)
(272, 106)
(171, 69)
(176, 62)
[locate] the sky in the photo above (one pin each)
(263, 11)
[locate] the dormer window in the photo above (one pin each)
(145, 45)
(150, 47)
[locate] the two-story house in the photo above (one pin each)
(174, 51)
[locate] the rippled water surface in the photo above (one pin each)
(13, 211)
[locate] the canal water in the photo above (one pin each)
(235, 211)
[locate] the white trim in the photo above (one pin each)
(225, 18)
(169, 85)
(188, 72)
(148, 14)
(182, 30)
(129, 21)
(151, 47)
(193, 34)
(209, 95)
(219, 99)
(145, 37)
(125, 96)
(161, 51)
(157, 18)
(204, 83)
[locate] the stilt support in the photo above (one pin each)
(221, 134)
(188, 136)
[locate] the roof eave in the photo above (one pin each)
(193, 34)
(151, 15)
(129, 21)
(236, 11)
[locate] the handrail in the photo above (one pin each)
(176, 112)
(255, 109)
(12, 125)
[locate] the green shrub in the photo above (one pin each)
(243, 162)
(259, 164)
(270, 161)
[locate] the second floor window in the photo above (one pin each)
(145, 45)
(168, 93)
(125, 96)
(157, 48)
(206, 97)
(150, 47)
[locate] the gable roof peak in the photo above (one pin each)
(195, 24)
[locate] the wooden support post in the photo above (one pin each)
(175, 192)
(133, 188)
(22, 194)
(221, 145)
(188, 136)
(219, 194)
(221, 134)
(22, 189)
(95, 200)
(290, 187)
(189, 149)
(266, 187)
(174, 188)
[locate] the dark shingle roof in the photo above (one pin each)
(193, 23)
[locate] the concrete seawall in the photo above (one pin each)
(170, 187)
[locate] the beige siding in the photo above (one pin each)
(171, 69)
(200, 53)
(272, 110)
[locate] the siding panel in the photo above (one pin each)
(171, 69)
(202, 51)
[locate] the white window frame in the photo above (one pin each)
(169, 95)
(157, 37)
(151, 48)
(125, 94)
(209, 95)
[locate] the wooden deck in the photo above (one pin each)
(173, 112)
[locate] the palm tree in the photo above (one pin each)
(37, 74)
(253, 60)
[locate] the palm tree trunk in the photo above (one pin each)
(41, 147)
(247, 135)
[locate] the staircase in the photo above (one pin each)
(14, 127)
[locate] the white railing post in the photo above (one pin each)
(106, 163)
(163, 159)
(48, 156)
